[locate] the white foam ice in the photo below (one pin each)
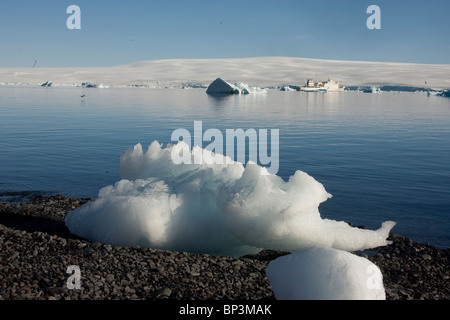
(216, 207)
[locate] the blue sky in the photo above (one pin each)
(118, 32)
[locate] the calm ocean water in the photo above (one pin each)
(382, 156)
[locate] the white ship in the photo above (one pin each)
(327, 86)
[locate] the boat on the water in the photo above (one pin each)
(326, 86)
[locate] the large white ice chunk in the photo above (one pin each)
(325, 274)
(213, 208)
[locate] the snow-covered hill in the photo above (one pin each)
(262, 72)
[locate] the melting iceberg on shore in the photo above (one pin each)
(216, 207)
(325, 274)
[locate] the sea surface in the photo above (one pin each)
(383, 156)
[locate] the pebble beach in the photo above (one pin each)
(36, 250)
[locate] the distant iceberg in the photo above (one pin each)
(246, 89)
(88, 85)
(289, 88)
(223, 87)
(47, 84)
(444, 93)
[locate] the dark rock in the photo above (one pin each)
(56, 290)
(164, 293)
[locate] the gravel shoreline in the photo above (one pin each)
(36, 250)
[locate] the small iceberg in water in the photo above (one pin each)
(372, 90)
(220, 86)
(88, 85)
(47, 84)
(289, 89)
(246, 89)
(444, 93)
